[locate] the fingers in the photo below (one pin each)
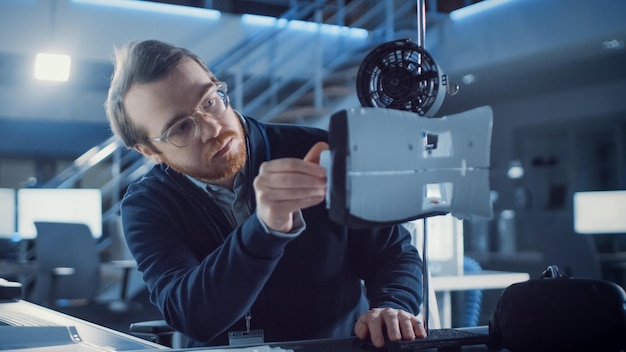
(403, 325)
(313, 156)
(275, 206)
(370, 324)
(292, 165)
(289, 180)
(419, 328)
(284, 186)
(396, 324)
(291, 174)
(405, 329)
(411, 327)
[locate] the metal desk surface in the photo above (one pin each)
(23, 313)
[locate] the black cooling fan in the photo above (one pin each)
(401, 75)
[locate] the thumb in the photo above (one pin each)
(313, 154)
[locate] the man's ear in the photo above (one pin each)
(149, 153)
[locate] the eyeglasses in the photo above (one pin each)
(185, 130)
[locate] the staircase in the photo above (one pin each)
(288, 99)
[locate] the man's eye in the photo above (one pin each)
(182, 127)
(209, 103)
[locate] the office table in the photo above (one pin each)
(330, 345)
(102, 339)
(484, 280)
(16, 316)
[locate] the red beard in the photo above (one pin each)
(224, 167)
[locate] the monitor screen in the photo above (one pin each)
(600, 212)
(445, 243)
(78, 205)
(7, 212)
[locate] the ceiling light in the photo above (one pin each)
(468, 79)
(475, 8)
(157, 7)
(52, 67)
(614, 44)
(516, 170)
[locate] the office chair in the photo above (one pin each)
(68, 265)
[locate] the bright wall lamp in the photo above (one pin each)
(52, 67)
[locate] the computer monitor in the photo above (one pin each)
(600, 212)
(445, 243)
(7, 212)
(78, 205)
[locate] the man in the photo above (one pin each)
(230, 230)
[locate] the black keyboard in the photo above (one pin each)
(437, 338)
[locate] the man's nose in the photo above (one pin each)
(209, 127)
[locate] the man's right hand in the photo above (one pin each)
(287, 185)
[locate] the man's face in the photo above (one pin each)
(218, 152)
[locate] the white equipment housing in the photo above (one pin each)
(388, 166)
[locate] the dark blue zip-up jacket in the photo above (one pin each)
(204, 276)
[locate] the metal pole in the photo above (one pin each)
(389, 25)
(341, 13)
(319, 61)
(425, 281)
(421, 23)
(421, 31)
(238, 101)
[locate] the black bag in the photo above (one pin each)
(557, 313)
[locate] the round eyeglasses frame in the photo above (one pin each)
(219, 109)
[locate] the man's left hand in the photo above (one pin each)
(398, 325)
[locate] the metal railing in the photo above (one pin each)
(126, 166)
